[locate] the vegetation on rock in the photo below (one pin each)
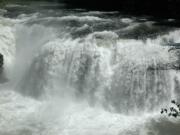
(172, 111)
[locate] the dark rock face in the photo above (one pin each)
(3, 79)
(1, 63)
(157, 8)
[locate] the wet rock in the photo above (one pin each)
(3, 79)
(1, 63)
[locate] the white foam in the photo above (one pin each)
(81, 18)
(14, 6)
(20, 115)
(7, 43)
(127, 20)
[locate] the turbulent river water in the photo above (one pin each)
(78, 72)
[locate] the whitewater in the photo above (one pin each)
(78, 72)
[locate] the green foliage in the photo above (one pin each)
(173, 110)
(2, 2)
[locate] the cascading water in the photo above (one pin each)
(78, 72)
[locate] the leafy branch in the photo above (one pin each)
(173, 111)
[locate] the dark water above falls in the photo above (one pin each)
(78, 72)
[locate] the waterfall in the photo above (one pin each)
(85, 74)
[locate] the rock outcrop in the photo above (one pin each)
(1, 63)
(3, 79)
